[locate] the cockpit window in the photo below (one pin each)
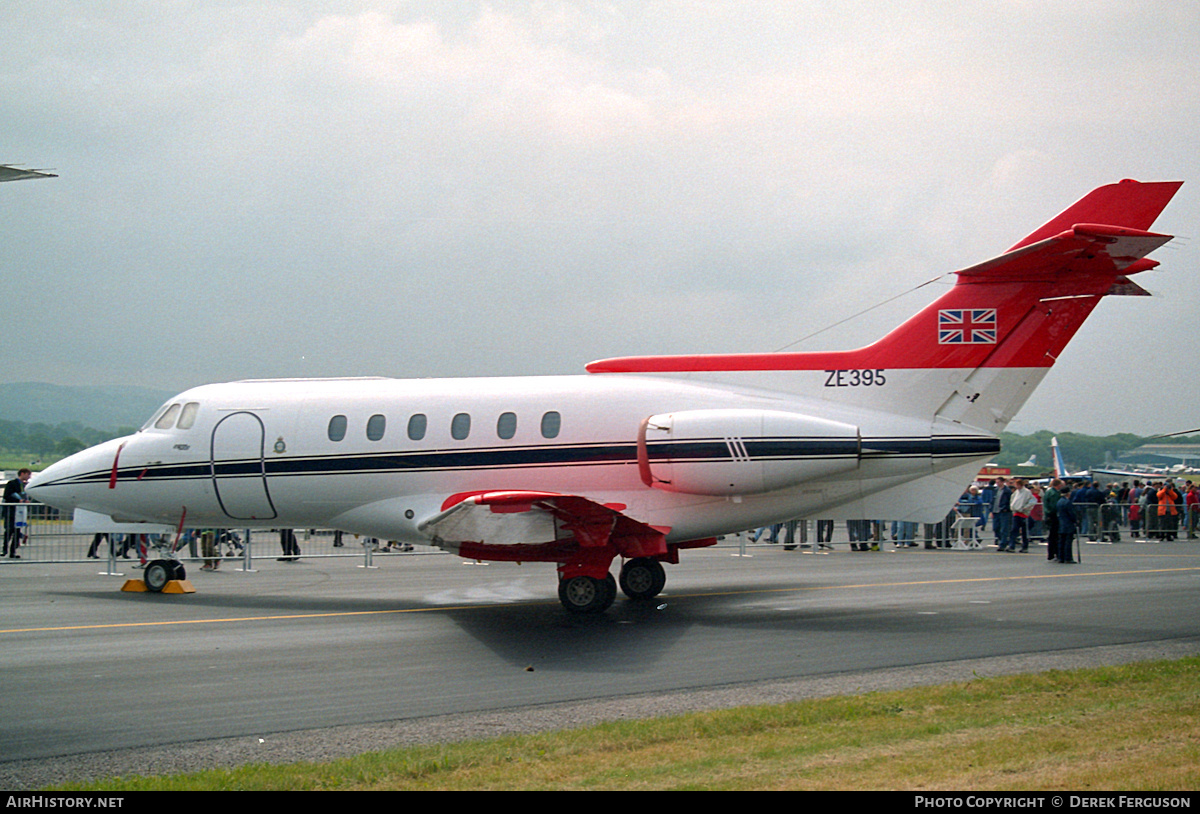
(188, 416)
(150, 422)
(167, 420)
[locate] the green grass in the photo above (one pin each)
(1129, 728)
(13, 463)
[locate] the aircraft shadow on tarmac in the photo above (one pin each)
(636, 637)
(632, 636)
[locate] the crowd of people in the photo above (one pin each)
(1012, 512)
(1060, 511)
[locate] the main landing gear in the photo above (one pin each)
(641, 578)
(584, 594)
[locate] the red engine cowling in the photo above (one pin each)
(742, 452)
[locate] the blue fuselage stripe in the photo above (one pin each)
(682, 451)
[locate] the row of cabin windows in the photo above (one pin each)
(460, 426)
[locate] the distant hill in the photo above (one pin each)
(101, 408)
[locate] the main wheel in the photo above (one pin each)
(157, 574)
(643, 578)
(587, 594)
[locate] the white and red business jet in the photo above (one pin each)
(644, 456)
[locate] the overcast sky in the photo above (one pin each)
(304, 188)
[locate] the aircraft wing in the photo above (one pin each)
(522, 521)
(9, 172)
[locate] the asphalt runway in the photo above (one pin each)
(299, 660)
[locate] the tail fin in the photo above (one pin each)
(1128, 203)
(976, 354)
(1060, 468)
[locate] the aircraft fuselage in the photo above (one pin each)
(379, 456)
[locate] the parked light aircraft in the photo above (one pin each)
(642, 457)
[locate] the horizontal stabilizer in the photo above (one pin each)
(1130, 204)
(1089, 249)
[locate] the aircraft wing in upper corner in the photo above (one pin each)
(9, 172)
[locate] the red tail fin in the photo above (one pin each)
(1017, 310)
(975, 355)
(1128, 203)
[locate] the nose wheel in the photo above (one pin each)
(159, 572)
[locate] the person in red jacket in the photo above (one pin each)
(1168, 510)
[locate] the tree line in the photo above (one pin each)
(1079, 451)
(45, 442)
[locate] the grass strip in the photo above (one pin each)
(1128, 728)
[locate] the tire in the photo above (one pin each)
(643, 578)
(587, 595)
(157, 574)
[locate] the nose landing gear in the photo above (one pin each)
(159, 572)
(162, 576)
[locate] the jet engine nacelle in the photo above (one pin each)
(742, 452)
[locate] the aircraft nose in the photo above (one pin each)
(65, 484)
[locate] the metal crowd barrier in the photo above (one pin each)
(1120, 522)
(49, 537)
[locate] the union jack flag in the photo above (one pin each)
(967, 326)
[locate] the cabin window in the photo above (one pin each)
(506, 425)
(376, 425)
(167, 420)
(551, 424)
(337, 428)
(188, 417)
(416, 426)
(460, 426)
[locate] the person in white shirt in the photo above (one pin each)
(1022, 503)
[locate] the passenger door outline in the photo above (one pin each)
(238, 467)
